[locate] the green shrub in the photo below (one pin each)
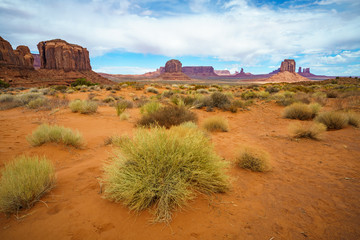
(37, 103)
(58, 134)
(4, 84)
(121, 105)
(167, 116)
(354, 119)
(301, 111)
(150, 107)
(248, 95)
(25, 98)
(284, 98)
(152, 90)
(82, 82)
(220, 100)
(254, 159)
(83, 106)
(24, 181)
(312, 130)
(6, 98)
(164, 169)
(333, 120)
(216, 123)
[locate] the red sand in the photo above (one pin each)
(312, 192)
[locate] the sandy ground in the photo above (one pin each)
(312, 192)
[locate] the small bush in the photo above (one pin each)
(312, 131)
(150, 107)
(152, 90)
(4, 84)
(84, 107)
(354, 119)
(254, 159)
(301, 111)
(121, 105)
(37, 103)
(7, 98)
(248, 95)
(82, 82)
(24, 181)
(216, 123)
(124, 116)
(220, 100)
(58, 134)
(164, 169)
(167, 116)
(333, 120)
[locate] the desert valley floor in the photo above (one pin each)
(311, 192)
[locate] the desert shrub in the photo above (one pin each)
(109, 99)
(331, 94)
(263, 95)
(27, 97)
(333, 120)
(33, 90)
(83, 106)
(216, 123)
(312, 130)
(6, 98)
(152, 90)
(82, 82)
(4, 84)
(167, 94)
(163, 169)
(284, 98)
(272, 89)
(202, 101)
(248, 95)
(58, 134)
(202, 91)
(24, 181)
(124, 116)
(37, 103)
(150, 107)
(167, 116)
(301, 111)
(254, 159)
(219, 100)
(240, 104)
(354, 119)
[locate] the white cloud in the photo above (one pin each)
(242, 33)
(122, 69)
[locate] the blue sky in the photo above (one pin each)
(138, 36)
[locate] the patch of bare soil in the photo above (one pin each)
(312, 191)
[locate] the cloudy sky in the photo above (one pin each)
(137, 36)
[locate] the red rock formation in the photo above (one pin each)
(173, 71)
(173, 66)
(20, 58)
(37, 61)
(59, 55)
(288, 65)
(199, 71)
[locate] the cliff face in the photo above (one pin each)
(59, 55)
(20, 58)
(173, 71)
(288, 65)
(201, 71)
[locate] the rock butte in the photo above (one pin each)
(173, 71)
(61, 63)
(288, 65)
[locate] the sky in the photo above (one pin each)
(138, 36)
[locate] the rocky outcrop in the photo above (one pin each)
(199, 71)
(20, 58)
(287, 76)
(288, 65)
(37, 61)
(57, 54)
(173, 71)
(173, 66)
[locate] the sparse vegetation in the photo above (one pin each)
(216, 123)
(150, 107)
(121, 106)
(24, 181)
(311, 131)
(83, 106)
(167, 116)
(82, 82)
(152, 90)
(162, 169)
(4, 84)
(54, 133)
(354, 119)
(301, 111)
(220, 100)
(333, 120)
(254, 159)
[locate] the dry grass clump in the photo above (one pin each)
(216, 123)
(354, 119)
(220, 100)
(152, 90)
(46, 133)
(333, 120)
(163, 169)
(150, 107)
(83, 106)
(167, 116)
(121, 105)
(24, 181)
(301, 111)
(254, 159)
(312, 130)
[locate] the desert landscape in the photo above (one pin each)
(200, 120)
